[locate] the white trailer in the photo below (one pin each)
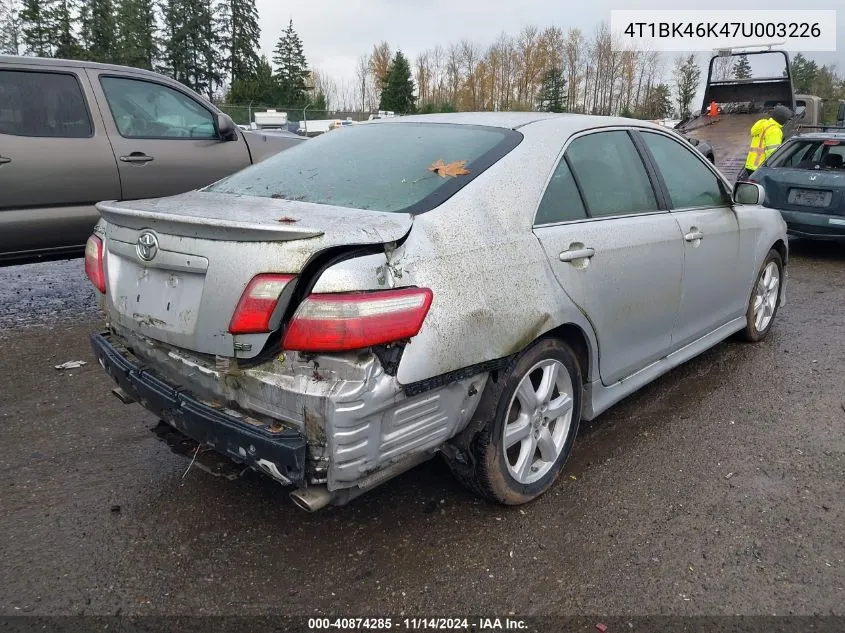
(271, 120)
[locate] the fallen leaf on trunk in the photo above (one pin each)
(449, 170)
(288, 220)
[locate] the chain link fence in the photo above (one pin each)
(244, 114)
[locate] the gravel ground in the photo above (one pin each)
(718, 489)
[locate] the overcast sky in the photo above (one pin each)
(335, 32)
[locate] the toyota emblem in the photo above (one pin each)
(147, 246)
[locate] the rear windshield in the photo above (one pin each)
(811, 154)
(398, 167)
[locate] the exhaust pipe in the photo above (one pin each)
(121, 395)
(311, 499)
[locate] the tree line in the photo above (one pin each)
(537, 69)
(213, 47)
(208, 45)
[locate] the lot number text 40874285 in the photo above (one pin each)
(480, 625)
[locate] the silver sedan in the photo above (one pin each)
(473, 285)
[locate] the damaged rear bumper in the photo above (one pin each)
(280, 455)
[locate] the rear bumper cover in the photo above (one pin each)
(280, 455)
(816, 226)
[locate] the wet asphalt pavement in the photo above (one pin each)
(718, 489)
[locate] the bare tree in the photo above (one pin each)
(362, 71)
(423, 78)
(453, 72)
(438, 58)
(11, 35)
(528, 54)
(347, 97)
(326, 85)
(573, 50)
(645, 63)
(470, 60)
(723, 68)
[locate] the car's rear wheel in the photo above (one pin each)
(765, 299)
(520, 452)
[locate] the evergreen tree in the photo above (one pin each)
(84, 21)
(291, 69)
(62, 21)
(687, 76)
(240, 34)
(136, 33)
(804, 73)
(210, 72)
(174, 43)
(191, 52)
(260, 88)
(658, 103)
(552, 96)
(431, 108)
(10, 27)
(398, 94)
(98, 30)
(36, 26)
(319, 103)
(742, 68)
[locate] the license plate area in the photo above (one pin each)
(157, 298)
(809, 197)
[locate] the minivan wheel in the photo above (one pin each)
(765, 299)
(520, 452)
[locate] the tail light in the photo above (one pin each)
(257, 304)
(94, 263)
(339, 322)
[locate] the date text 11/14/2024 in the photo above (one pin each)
(475, 625)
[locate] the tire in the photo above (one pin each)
(504, 475)
(761, 316)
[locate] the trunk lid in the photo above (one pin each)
(806, 190)
(201, 251)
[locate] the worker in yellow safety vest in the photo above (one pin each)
(766, 137)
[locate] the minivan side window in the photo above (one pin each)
(611, 174)
(689, 181)
(145, 109)
(561, 202)
(41, 104)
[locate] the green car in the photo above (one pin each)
(805, 180)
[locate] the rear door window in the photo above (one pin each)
(43, 104)
(611, 174)
(397, 167)
(561, 202)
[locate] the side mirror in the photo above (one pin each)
(748, 193)
(226, 128)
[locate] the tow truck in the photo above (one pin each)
(721, 129)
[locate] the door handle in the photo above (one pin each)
(136, 157)
(578, 253)
(4, 160)
(693, 235)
